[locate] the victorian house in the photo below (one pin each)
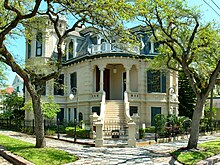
(106, 79)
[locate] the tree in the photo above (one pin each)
(187, 97)
(17, 14)
(49, 108)
(12, 104)
(186, 45)
(3, 77)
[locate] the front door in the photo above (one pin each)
(107, 83)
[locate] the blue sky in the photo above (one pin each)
(17, 46)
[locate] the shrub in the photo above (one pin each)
(50, 132)
(141, 133)
(150, 129)
(80, 133)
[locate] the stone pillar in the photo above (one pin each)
(128, 80)
(131, 134)
(101, 83)
(128, 68)
(99, 134)
(136, 119)
(93, 118)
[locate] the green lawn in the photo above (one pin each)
(38, 156)
(206, 150)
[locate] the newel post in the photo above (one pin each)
(131, 134)
(99, 134)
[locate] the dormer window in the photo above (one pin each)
(39, 44)
(70, 50)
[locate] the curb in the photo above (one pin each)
(70, 141)
(210, 161)
(14, 159)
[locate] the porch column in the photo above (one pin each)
(101, 83)
(128, 68)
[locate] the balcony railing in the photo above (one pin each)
(106, 47)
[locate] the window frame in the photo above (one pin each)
(39, 44)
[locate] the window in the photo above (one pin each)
(39, 44)
(29, 48)
(156, 46)
(69, 114)
(58, 85)
(133, 110)
(96, 109)
(60, 115)
(75, 114)
(41, 87)
(73, 80)
(17, 89)
(80, 116)
(44, 86)
(156, 81)
(70, 50)
(79, 48)
(154, 112)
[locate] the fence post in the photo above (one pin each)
(33, 126)
(24, 124)
(10, 123)
(58, 128)
(7, 123)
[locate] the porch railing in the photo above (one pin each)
(102, 112)
(114, 47)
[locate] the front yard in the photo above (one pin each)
(38, 156)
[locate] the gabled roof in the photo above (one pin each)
(17, 77)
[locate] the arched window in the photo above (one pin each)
(70, 50)
(80, 116)
(39, 44)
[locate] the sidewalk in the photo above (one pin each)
(157, 154)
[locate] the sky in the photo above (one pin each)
(17, 46)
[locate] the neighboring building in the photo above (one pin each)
(110, 80)
(3, 93)
(18, 85)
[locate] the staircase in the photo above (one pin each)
(114, 120)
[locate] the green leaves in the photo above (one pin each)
(49, 108)
(187, 44)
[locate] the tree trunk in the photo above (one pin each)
(197, 114)
(39, 123)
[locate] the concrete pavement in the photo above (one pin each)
(157, 154)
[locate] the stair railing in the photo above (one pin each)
(102, 112)
(127, 107)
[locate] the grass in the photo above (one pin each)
(38, 156)
(205, 151)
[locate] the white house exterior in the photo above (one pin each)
(110, 81)
(18, 85)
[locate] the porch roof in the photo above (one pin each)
(98, 55)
